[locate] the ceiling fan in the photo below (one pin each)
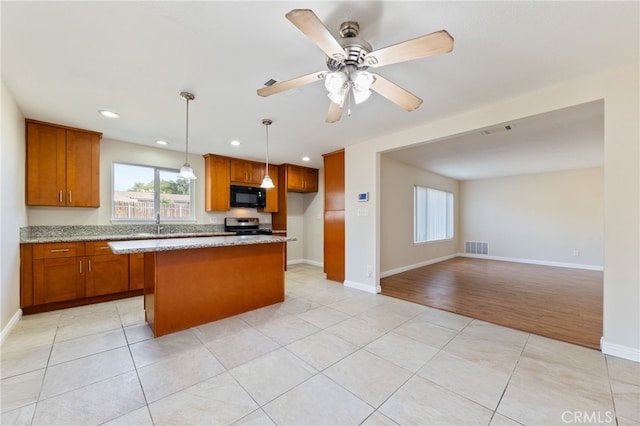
(348, 60)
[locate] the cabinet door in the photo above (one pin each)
(83, 169)
(310, 179)
(136, 271)
(58, 279)
(107, 274)
(334, 245)
(217, 182)
(46, 166)
(295, 179)
(241, 170)
(334, 181)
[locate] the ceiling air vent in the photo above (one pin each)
(495, 130)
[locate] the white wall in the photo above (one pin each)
(539, 217)
(398, 252)
(620, 90)
(12, 209)
(314, 224)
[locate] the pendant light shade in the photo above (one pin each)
(267, 182)
(186, 171)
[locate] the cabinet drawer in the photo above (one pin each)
(55, 250)
(93, 248)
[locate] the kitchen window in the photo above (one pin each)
(140, 192)
(433, 214)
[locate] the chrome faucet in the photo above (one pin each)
(158, 227)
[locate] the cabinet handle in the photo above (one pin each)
(81, 266)
(70, 197)
(89, 265)
(58, 250)
(60, 196)
(104, 248)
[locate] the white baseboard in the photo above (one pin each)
(363, 287)
(415, 265)
(12, 323)
(626, 352)
(534, 262)
(306, 262)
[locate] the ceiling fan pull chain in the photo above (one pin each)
(349, 99)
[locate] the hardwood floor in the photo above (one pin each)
(560, 303)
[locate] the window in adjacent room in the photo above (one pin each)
(140, 192)
(433, 214)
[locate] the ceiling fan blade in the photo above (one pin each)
(315, 30)
(290, 84)
(421, 47)
(335, 112)
(395, 93)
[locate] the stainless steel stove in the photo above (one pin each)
(245, 226)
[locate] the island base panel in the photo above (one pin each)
(196, 286)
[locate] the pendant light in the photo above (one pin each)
(186, 171)
(267, 182)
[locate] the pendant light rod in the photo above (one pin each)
(267, 182)
(187, 97)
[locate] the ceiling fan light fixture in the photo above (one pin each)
(360, 96)
(334, 81)
(337, 98)
(362, 80)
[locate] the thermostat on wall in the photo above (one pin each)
(363, 196)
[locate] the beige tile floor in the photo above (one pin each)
(328, 355)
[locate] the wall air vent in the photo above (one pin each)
(476, 247)
(494, 130)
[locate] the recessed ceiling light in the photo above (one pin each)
(235, 143)
(109, 114)
(159, 142)
(306, 159)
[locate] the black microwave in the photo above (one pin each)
(248, 196)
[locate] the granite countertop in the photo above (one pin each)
(140, 246)
(71, 238)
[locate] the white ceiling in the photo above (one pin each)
(63, 61)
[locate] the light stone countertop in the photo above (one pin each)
(141, 246)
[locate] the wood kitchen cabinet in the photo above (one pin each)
(334, 216)
(55, 275)
(221, 172)
(106, 272)
(62, 166)
(217, 182)
(301, 179)
(58, 272)
(246, 172)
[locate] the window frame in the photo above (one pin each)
(449, 219)
(156, 196)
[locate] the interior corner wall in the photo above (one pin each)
(552, 218)
(398, 252)
(620, 90)
(13, 214)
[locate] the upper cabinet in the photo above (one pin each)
(221, 172)
(62, 166)
(246, 172)
(217, 182)
(301, 179)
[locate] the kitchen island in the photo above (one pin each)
(192, 281)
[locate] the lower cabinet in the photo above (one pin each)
(136, 271)
(70, 272)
